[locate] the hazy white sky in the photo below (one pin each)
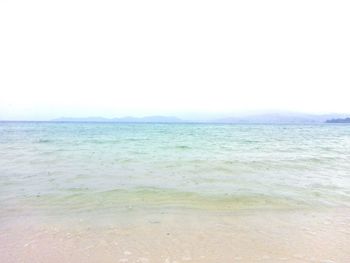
(115, 58)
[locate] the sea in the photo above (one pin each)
(99, 170)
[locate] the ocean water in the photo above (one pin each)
(104, 168)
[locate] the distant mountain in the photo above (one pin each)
(270, 118)
(292, 118)
(159, 119)
(87, 119)
(149, 119)
(345, 120)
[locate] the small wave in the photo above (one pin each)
(161, 198)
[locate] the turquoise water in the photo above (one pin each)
(89, 167)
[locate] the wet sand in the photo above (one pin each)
(182, 236)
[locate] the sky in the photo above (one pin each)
(184, 57)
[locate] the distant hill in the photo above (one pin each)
(345, 120)
(155, 119)
(270, 118)
(292, 118)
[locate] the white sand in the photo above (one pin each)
(255, 236)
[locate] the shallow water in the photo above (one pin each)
(89, 167)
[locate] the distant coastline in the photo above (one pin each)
(267, 118)
(345, 120)
(147, 119)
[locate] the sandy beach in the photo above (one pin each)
(183, 236)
